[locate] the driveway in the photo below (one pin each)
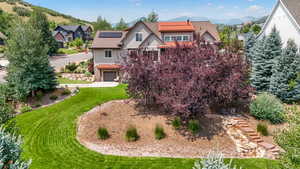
(60, 61)
(56, 61)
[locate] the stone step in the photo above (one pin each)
(253, 134)
(275, 150)
(254, 137)
(267, 146)
(248, 130)
(258, 140)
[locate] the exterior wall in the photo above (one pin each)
(152, 43)
(99, 56)
(130, 42)
(284, 23)
(191, 34)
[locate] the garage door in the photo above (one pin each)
(109, 76)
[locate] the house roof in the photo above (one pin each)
(2, 36)
(110, 43)
(294, 8)
(85, 28)
(201, 27)
(176, 27)
(72, 28)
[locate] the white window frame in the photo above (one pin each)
(105, 52)
(139, 37)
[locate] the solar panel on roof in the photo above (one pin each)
(110, 34)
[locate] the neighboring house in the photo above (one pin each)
(71, 32)
(59, 37)
(109, 47)
(2, 38)
(286, 18)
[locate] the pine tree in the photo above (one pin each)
(122, 25)
(29, 69)
(284, 81)
(40, 22)
(258, 80)
(249, 44)
(10, 154)
(152, 17)
(102, 24)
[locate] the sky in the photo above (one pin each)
(130, 10)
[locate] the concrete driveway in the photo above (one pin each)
(56, 61)
(60, 61)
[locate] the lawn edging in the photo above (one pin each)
(50, 138)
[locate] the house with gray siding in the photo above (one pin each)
(109, 47)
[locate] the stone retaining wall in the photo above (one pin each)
(74, 76)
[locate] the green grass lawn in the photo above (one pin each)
(68, 81)
(49, 138)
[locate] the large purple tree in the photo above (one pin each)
(188, 81)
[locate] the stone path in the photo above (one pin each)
(92, 85)
(249, 142)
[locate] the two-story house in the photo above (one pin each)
(110, 46)
(68, 33)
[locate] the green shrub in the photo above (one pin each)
(176, 123)
(103, 133)
(132, 134)
(71, 67)
(37, 105)
(66, 92)
(194, 126)
(262, 129)
(267, 107)
(159, 132)
(53, 97)
(25, 109)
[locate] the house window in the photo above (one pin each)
(186, 38)
(167, 38)
(139, 37)
(179, 38)
(108, 53)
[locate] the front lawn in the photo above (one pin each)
(50, 138)
(69, 81)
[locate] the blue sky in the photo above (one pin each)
(113, 10)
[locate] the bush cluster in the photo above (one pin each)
(262, 129)
(194, 126)
(176, 123)
(267, 107)
(103, 133)
(53, 97)
(132, 134)
(159, 132)
(25, 109)
(66, 92)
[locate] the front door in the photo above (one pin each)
(109, 76)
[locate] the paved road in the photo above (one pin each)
(59, 61)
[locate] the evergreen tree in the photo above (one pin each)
(152, 17)
(102, 24)
(264, 55)
(122, 25)
(258, 80)
(249, 43)
(29, 69)
(5, 109)
(284, 81)
(10, 154)
(40, 22)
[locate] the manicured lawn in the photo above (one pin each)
(49, 138)
(68, 81)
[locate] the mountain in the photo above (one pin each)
(24, 9)
(232, 21)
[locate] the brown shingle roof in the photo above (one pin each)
(294, 7)
(112, 43)
(206, 26)
(2, 36)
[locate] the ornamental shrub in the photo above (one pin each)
(25, 109)
(53, 97)
(262, 129)
(103, 133)
(159, 132)
(213, 161)
(132, 134)
(267, 107)
(176, 123)
(194, 126)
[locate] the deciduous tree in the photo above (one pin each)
(122, 25)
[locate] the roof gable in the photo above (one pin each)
(293, 6)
